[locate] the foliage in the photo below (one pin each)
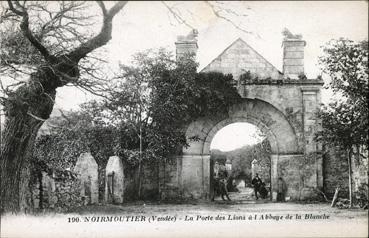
(142, 118)
(16, 49)
(241, 160)
(342, 124)
(345, 122)
(152, 100)
(248, 77)
(346, 62)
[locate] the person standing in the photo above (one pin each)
(220, 182)
(281, 190)
(256, 183)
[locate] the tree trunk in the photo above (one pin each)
(159, 184)
(25, 191)
(335, 197)
(41, 190)
(139, 179)
(19, 134)
(140, 163)
(350, 176)
(18, 139)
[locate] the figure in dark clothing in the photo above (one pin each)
(256, 183)
(281, 190)
(263, 191)
(220, 183)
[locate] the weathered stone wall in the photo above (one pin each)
(286, 114)
(296, 100)
(150, 179)
(238, 58)
(186, 44)
(293, 57)
(299, 174)
(59, 193)
(269, 120)
(335, 167)
(114, 180)
(169, 179)
(87, 173)
(130, 183)
(66, 190)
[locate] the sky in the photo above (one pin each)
(236, 135)
(145, 25)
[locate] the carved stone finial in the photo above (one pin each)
(288, 35)
(191, 36)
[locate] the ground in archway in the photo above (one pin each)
(245, 195)
(340, 223)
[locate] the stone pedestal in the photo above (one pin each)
(195, 174)
(86, 169)
(254, 168)
(274, 176)
(114, 180)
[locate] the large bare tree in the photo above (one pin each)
(30, 102)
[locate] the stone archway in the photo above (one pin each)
(195, 163)
(282, 104)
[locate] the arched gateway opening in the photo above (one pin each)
(241, 151)
(282, 105)
(196, 162)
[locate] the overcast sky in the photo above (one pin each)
(144, 25)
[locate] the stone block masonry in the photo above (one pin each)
(238, 58)
(87, 173)
(114, 180)
(293, 58)
(281, 105)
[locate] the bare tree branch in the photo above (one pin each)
(26, 30)
(218, 14)
(36, 117)
(177, 16)
(100, 39)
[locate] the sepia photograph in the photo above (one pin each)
(184, 119)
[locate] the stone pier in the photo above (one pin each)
(86, 170)
(114, 181)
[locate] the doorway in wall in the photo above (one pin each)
(242, 151)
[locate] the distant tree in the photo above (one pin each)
(345, 122)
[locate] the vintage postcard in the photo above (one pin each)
(184, 118)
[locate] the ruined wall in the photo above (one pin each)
(335, 169)
(56, 192)
(335, 166)
(169, 179)
(299, 174)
